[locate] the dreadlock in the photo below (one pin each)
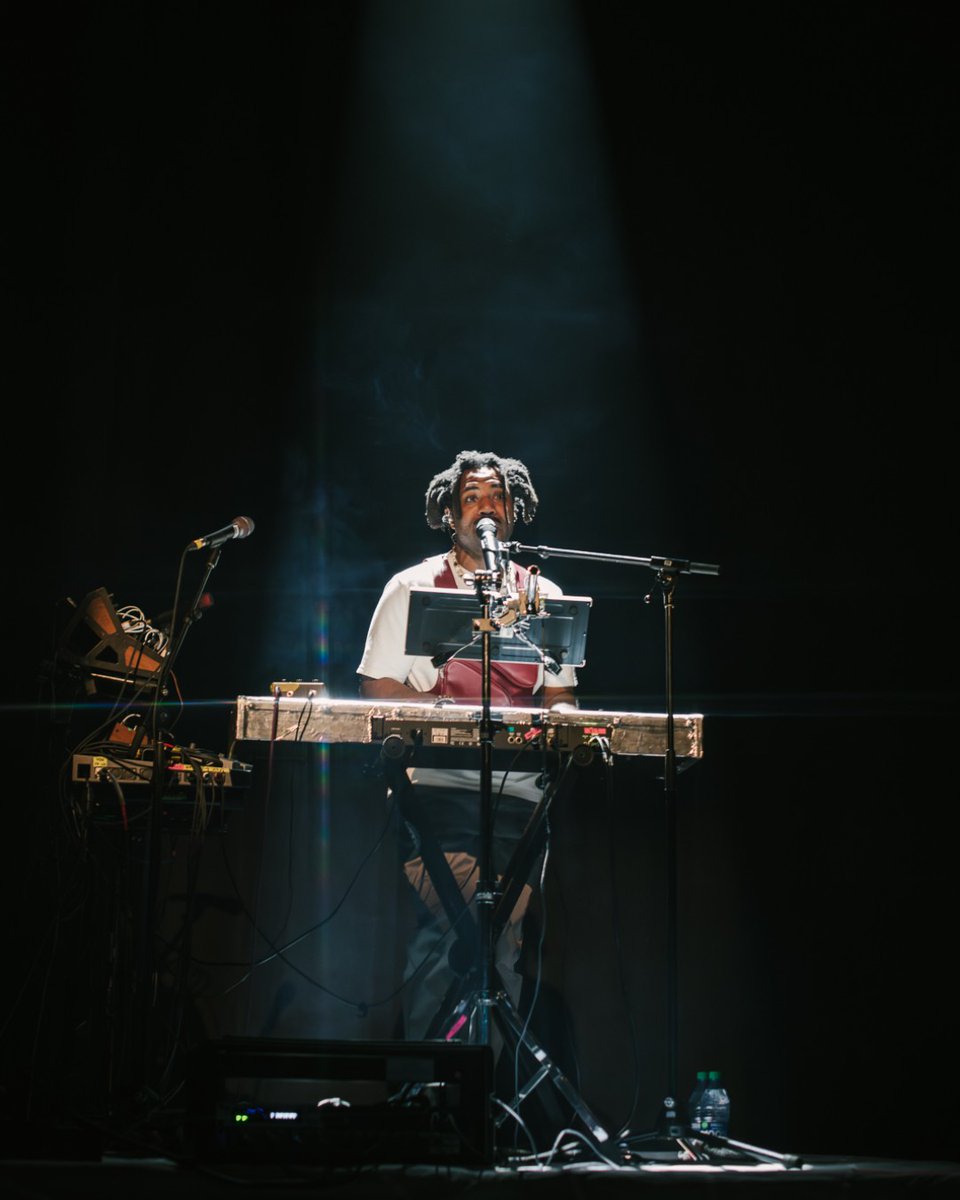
(444, 489)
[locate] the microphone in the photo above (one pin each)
(239, 527)
(487, 530)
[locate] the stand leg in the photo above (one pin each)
(517, 1036)
(465, 1002)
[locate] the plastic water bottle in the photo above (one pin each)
(715, 1107)
(694, 1103)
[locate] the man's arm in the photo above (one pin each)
(387, 689)
(383, 665)
(555, 696)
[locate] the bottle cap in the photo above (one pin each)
(702, 1075)
(714, 1076)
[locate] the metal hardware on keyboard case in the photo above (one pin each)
(224, 774)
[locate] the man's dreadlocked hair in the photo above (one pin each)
(444, 489)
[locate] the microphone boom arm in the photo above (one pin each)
(675, 566)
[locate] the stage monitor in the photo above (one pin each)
(441, 625)
(351, 1103)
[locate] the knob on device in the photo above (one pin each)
(392, 746)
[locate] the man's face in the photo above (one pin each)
(482, 494)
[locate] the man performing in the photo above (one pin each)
(477, 485)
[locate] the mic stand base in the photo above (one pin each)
(671, 1141)
(497, 1008)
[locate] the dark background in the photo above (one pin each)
(691, 263)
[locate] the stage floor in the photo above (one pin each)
(148, 1178)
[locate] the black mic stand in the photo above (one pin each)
(145, 984)
(485, 582)
(671, 1129)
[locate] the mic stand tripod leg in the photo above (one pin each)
(744, 1149)
(517, 1036)
(456, 1017)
